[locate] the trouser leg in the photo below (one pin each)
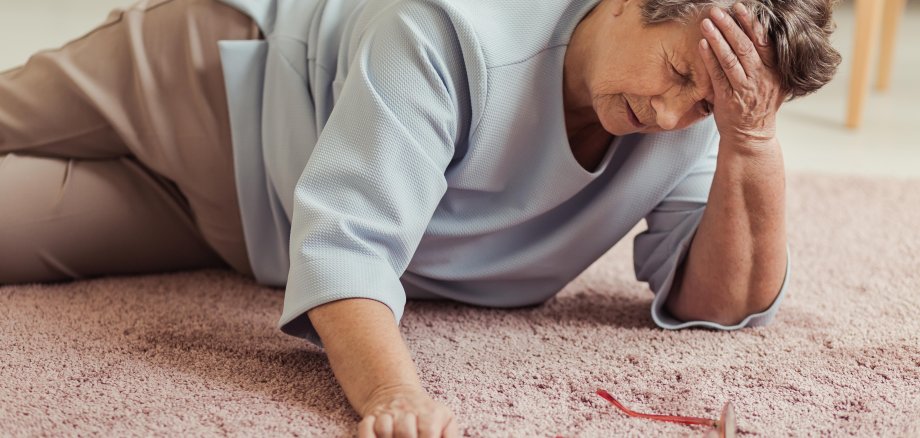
(146, 84)
(67, 219)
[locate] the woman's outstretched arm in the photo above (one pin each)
(372, 364)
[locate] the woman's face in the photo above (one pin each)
(645, 78)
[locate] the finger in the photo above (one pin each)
(726, 58)
(747, 23)
(406, 426)
(366, 427)
(383, 427)
(433, 425)
(738, 40)
(756, 32)
(451, 430)
(720, 83)
(430, 426)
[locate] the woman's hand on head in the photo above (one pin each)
(748, 92)
(406, 412)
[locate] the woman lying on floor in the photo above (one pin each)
(362, 152)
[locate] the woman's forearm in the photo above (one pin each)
(365, 349)
(737, 260)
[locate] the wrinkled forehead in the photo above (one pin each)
(680, 37)
(680, 41)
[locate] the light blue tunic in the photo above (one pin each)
(394, 148)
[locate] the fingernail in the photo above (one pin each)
(707, 25)
(718, 14)
(741, 9)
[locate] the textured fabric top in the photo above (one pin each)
(417, 148)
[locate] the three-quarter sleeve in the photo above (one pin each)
(376, 174)
(659, 251)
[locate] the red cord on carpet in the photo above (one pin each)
(671, 418)
(725, 425)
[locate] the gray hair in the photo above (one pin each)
(799, 29)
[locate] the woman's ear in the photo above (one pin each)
(618, 7)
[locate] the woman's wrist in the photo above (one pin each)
(365, 349)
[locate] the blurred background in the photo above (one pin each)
(812, 129)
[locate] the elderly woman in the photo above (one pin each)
(362, 152)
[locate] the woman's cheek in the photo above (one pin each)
(612, 116)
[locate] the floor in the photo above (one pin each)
(198, 353)
(811, 129)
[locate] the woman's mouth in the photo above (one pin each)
(633, 118)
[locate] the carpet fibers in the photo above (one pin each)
(197, 353)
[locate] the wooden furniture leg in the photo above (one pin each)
(894, 10)
(868, 21)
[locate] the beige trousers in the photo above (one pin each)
(115, 150)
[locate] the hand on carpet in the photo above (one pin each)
(404, 411)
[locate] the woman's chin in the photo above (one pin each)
(619, 128)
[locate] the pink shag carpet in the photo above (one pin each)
(197, 353)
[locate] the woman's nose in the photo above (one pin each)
(670, 112)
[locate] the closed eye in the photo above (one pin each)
(669, 58)
(684, 77)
